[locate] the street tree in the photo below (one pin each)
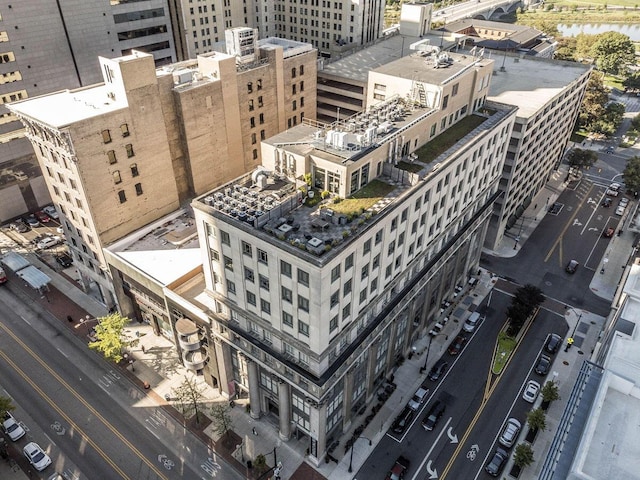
(632, 82)
(537, 419)
(580, 158)
(221, 419)
(635, 123)
(529, 295)
(188, 395)
(566, 49)
(584, 43)
(631, 174)
(593, 106)
(523, 455)
(613, 52)
(260, 464)
(111, 339)
(6, 405)
(550, 392)
(518, 314)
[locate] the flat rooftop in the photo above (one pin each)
(165, 250)
(529, 83)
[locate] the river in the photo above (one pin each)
(632, 31)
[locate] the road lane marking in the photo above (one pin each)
(426, 458)
(71, 390)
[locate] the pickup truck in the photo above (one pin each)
(399, 469)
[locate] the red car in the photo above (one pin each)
(609, 232)
(399, 469)
(457, 345)
(42, 217)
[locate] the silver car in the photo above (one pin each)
(510, 433)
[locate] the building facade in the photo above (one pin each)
(122, 154)
(546, 117)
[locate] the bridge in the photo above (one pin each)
(480, 9)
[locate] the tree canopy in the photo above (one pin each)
(580, 158)
(111, 339)
(631, 174)
(523, 455)
(6, 405)
(221, 419)
(613, 52)
(537, 419)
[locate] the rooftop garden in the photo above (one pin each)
(410, 167)
(363, 199)
(440, 144)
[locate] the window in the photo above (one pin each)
(260, 103)
(303, 303)
(252, 122)
(378, 238)
(376, 261)
(134, 170)
(366, 248)
(249, 275)
(263, 257)
(247, 249)
(454, 90)
(254, 139)
(335, 273)
(224, 237)
(303, 328)
(111, 155)
(403, 216)
(251, 299)
(348, 263)
(363, 296)
(264, 282)
(250, 87)
(287, 319)
(251, 105)
(259, 84)
(254, 154)
(231, 287)
(285, 268)
(303, 277)
(122, 196)
(301, 70)
(116, 177)
(215, 255)
(293, 72)
(333, 324)
(392, 247)
(287, 295)
(265, 306)
(394, 224)
(346, 312)
(365, 272)
(228, 263)
(138, 187)
(124, 128)
(129, 148)
(302, 87)
(335, 298)
(374, 285)
(106, 136)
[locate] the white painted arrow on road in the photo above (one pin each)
(432, 473)
(452, 436)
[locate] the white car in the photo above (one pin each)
(531, 391)
(36, 456)
(620, 211)
(12, 427)
(48, 242)
(612, 193)
(623, 202)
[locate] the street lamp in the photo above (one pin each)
(431, 337)
(353, 445)
(575, 327)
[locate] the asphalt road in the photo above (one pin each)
(92, 421)
(470, 391)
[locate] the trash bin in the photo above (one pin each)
(249, 464)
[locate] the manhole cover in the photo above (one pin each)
(548, 284)
(580, 352)
(565, 362)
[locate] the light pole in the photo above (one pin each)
(431, 337)
(575, 327)
(353, 445)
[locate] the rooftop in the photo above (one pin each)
(165, 250)
(528, 82)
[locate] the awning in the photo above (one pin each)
(34, 277)
(14, 261)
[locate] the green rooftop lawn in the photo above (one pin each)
(363, 199)
(429, 151)
(410, 167)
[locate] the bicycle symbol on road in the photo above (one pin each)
(473, 453)
(58, 428)
(166, 462)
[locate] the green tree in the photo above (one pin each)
(537, 419)
(523, 455)
(550, 391)
(548, 27)
(111, 339)
(221, 420)
(631, 174)
(613, 52)
(593, 106)
(580, 158)
(566, 49)
(6, 405)
(189, 395)
(518, 314)
(635, 122)
(632, 82)
(260, 464)
(584, 43)
(529, 295)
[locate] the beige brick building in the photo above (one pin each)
(122, 154)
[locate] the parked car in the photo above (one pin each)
(496, 464)
(32, 221)
(623, 202)
(543, 365)
(620, 211)
(403, 420)
(19, 226)
(36, 456)
(12, 428)
(64, 260)
(48, 242)
(418, 398)
(606, 202)
(612, 193)
(51, 211)
(615, 186)
(553, 343)
(399, 469)
(472, 322)
(608, 232)
(438, 370)
(531, 391)
(457, 345)
(42, 217)
(572, 266)
(435, 412)
(510, 433)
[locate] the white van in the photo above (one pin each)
(472, 322)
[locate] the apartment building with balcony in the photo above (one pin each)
(119, 155)
(302, 299)
(548, 95)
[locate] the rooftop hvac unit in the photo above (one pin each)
(208, 200)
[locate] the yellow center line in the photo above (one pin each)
(139, 454)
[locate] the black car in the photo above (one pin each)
(438, 370)
(553, 343)
(435, 412)
(64, 260)
(496, 464)
(403, 420)
(543, 365)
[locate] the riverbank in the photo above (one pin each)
(579, 15)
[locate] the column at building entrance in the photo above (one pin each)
(284, 410)
(254, 388)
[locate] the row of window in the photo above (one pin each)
(122, 195)
(117, 178)
(106, 134)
